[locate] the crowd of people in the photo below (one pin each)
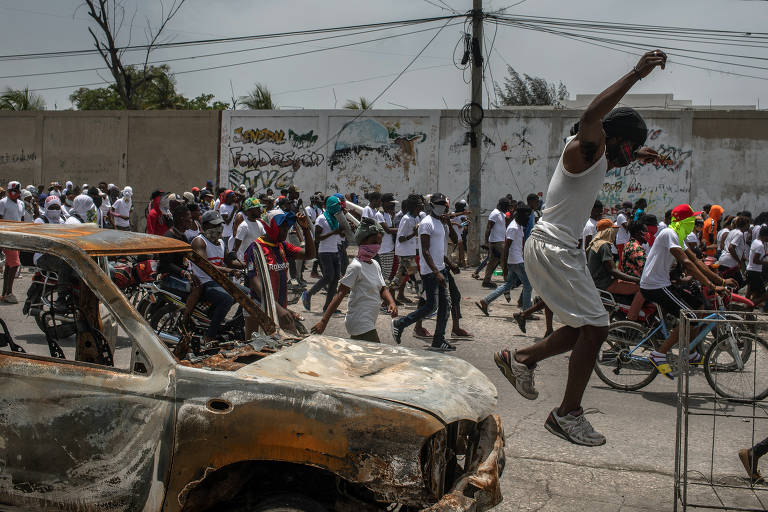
(419, 243)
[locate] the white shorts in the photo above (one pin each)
(561, 278)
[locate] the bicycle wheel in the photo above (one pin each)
(616, 366)
(722, 369)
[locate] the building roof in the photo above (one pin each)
(95, 241)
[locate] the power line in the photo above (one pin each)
(405, 69)
(72, 53)
(265, 59)
(631, 44)
(192, 57)
(557, 33)
(368, 79)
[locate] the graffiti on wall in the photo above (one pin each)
(370, 145)
(270, 158)
(15, 158)
(664, 184)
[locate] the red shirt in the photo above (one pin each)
(277, 257)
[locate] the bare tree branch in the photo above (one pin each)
(109, 18)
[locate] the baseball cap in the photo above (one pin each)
(437, 197)
(242, 189)
(280, 216)
(212, 217)
(388, 197)
(189, 197)
(682, 212)
(195, 189)
(14, 185)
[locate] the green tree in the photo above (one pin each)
(361, 104)
(21, 99)
(529, 91)
(260, 98)
(157, 94)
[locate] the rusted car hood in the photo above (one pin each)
(445, 386)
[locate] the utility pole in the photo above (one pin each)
(476, 139)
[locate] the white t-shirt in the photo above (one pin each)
(312, 213)
(590, 229)
(659, 261)
(456, 225)
(224, 210)
(757, 247)
(499, 228)
(387, 240)
(248, 231)
(736, 239)
(365, 283)
(434, 228)
(330, 244)
(407, 248)
(622, 236)
(756, 231)
(369, 212)
(662, 225)
(12, 211)
(122, 208)
(515, 233)
(72, 220)
(721, 236)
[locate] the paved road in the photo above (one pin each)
(632, 472)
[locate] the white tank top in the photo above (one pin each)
(215, 255)
(570, 198)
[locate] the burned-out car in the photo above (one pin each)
(113, 420)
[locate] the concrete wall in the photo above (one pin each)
(711, 156)
(708, 156)
(170, 150)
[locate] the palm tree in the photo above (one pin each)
(363, 104)
(21, 99)
(260, 98)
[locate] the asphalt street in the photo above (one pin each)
(632, 472)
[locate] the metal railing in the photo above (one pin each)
(722, 414)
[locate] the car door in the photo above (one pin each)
(76, 435)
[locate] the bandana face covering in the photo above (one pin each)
(439, 209)
(683, 228)
(214, 234)
(366, 253)
(622, 155)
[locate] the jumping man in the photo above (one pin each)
(556, 266)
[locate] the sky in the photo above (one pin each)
(327, 79)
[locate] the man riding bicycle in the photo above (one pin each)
(656, 285)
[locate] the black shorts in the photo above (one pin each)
(674, 299)
(755, 281)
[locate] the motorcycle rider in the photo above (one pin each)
(209, 245)
(177, 276)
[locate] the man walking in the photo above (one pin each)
(556, 265)
(432, 267)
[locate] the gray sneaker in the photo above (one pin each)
(516, 373)
(575, 429)
(11, 299)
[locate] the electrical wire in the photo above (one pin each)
(72, 53)
(640, 45)
(685, 64)
(629, 44)
(193, 57)
(373, 102)
(265, 59)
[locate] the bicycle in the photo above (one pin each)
(733, 362)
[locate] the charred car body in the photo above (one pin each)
(320, 424)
